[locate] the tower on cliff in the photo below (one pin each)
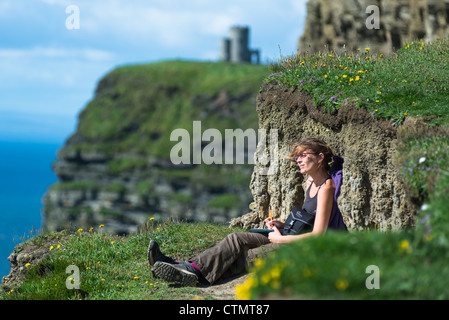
(235, 48)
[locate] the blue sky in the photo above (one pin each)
(48, 72)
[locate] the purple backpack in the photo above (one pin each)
(336, 220)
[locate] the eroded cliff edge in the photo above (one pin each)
(372, 194)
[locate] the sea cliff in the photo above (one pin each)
(116, 168)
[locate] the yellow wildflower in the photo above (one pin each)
(243, 291)
(80, 230)
(405, 245)
(357, 78)
(341, 284)
(27, 265)
(101, 226)
(258, 263)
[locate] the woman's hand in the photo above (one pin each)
(273, 223)
(275, 236)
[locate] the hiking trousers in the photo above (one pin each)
(233, 255)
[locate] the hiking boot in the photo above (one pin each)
(183, 273)
(154, 254)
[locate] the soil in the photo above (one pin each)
(222, 290)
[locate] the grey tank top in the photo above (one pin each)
(310, 204)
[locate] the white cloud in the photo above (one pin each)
(175, 26)
(55, 66)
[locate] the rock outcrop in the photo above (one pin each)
(338, 23)
(372, 194)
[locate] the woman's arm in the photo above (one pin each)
(323, 213)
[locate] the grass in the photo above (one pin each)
(171, 94)
(413, 82)
(340, 266)
(113, 267)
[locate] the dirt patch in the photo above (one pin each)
(222, 290)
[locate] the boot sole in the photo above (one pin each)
(171, 273)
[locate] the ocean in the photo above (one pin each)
(25, 175)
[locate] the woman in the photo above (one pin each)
(230, 256)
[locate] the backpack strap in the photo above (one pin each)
(336, 172)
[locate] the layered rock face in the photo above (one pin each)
(372, 195)
(344, 23)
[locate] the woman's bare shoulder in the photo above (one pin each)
(329, 186)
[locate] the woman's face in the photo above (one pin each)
(308, 161)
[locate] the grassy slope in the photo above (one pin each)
(164, 96)
(112, 267)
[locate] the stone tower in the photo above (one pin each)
(235, 48)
